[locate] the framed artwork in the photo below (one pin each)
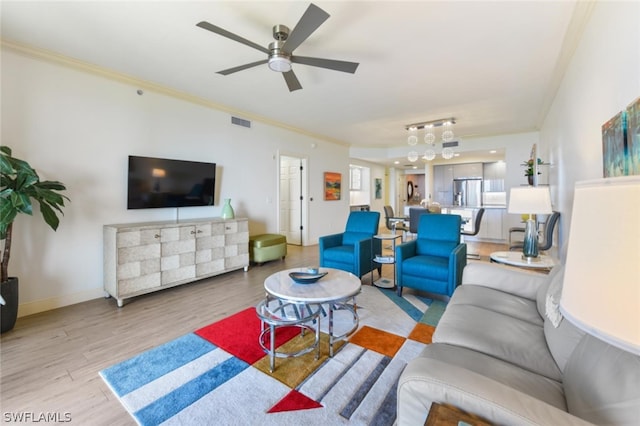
(614, 146)
(332, 186)
(633, 138)
(378, 188)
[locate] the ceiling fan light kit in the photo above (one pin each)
(280, 52)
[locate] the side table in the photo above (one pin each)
(514, 258)
(386, 260)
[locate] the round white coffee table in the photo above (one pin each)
(514, 258)
(336, 289)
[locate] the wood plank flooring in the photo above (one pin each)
(49, 362)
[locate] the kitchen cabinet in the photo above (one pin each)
(467, 170)
(140, 258)
(443, 184)
(494, 175)
(491, 226)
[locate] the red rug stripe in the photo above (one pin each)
(293, 401)
(238, 335)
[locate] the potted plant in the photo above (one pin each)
(529, 171)
(19, 186)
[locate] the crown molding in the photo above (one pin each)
(58, 59)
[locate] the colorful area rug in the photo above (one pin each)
(220, 375)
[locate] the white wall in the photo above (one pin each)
(79, 128)
(603, 77)
(375, 171)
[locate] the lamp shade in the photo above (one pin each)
(530, 200)
(601, 289)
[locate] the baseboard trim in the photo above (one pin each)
(38, 306)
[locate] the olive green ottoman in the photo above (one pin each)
(266, 247)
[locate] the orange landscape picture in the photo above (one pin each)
(332, 184)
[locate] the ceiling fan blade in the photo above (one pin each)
(313, 17)
(331, 64)
(242, 67)
(292, 81)
(232, 36)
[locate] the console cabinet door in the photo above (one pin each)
(209, 249)
(178, 261)
(236, 250)
(138, 260)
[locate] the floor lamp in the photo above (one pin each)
(530, 200)
(601, 289)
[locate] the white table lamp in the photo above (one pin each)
(601, 290)
(530, 200)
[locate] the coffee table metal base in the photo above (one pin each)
(336, 291)
(345, 306)
(275, 313)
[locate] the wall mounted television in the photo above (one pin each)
(162, 182)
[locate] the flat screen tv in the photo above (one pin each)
(161, 182)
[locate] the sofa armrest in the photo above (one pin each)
(499, 277)
(363, 251)
(328, 241)
(427, 380)
(457, 264)
(405, 250)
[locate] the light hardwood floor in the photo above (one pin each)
(49, 362)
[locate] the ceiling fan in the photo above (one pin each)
(280, 52)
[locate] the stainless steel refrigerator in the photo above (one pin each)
(467, 192)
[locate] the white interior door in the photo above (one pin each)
(291, 199)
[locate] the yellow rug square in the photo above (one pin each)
(293, 371)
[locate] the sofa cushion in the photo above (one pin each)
(436, 268)
(497, 301)
(602, 383)
(504, 337)
(535, 385)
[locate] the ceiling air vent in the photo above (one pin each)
(449, 144)
(240, 122)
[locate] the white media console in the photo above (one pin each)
(140, 258)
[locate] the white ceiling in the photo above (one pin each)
(490, 64)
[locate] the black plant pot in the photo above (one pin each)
(9, 311)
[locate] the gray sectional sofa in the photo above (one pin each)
(503, 352)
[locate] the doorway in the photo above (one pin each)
(292, 212)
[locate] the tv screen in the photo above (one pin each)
(160, 182)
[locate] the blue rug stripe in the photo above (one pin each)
(176, 401)
(364, 389)
(386, 414)
(403, 304)
(433, 314)
(148, 366)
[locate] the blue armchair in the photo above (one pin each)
(353, 249)
(434, 261)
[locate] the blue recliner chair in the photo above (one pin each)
(353, 249)
(434, 261)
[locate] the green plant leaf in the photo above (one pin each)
(49, 216)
